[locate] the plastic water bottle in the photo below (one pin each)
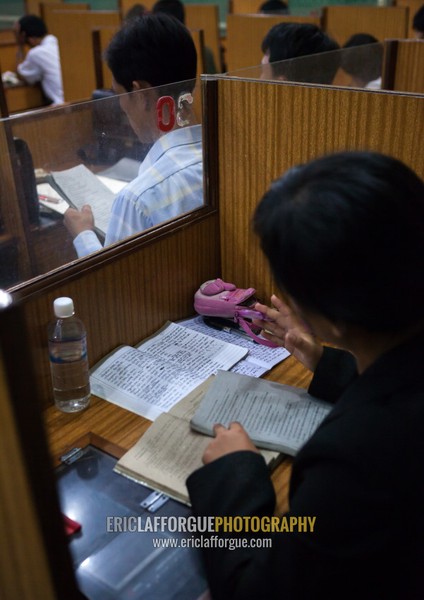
(68, 358)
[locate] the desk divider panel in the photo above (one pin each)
(47, 8)
(101, 37)
(413, 6)
(404, 66)
(244, 7)
(76, 50)
(34, 558)
(33, 7)
(340, 22)
(263, 129)
(206, 18)
(246, 32)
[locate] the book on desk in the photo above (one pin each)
(150, 378)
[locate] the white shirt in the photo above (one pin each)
(42, 64)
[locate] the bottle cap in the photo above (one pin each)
(63, 307)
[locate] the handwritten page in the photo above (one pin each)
(258, 361)
(192, 350)
(150, 379)
(169, 451)
(80, 186)
(276, 416)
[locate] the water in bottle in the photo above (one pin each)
(68, 358)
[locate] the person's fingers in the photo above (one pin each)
(281, 306)
(235, 426)
(217, 428)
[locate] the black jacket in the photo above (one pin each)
(361, 475)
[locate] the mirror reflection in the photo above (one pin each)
(80, 177)
(358, 65)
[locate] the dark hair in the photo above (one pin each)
(344, 237)
(364, 62)
(136, 10)
(274, 7)
(359, 39)
(152, 48)
(418, 20)
(293, 40)
(174, 8)
(32, 26)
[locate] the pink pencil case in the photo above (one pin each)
(217, 298)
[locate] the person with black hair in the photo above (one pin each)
(175, 8)
(418, 23)
(136, 10)
(286, 41)
(148, 52)
(274, 7)
(365, 63)
(343, 235)
(41, 64)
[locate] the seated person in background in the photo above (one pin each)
(343, 236)
(363, 64)
(418, 23)
(150, 51)
(137, 10)
(42, 61)
(176, 9)
(292, 40)
(274, 7)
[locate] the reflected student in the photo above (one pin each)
(286, 41)
(151, 51)
(344, 239)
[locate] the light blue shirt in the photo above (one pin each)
(169, 183)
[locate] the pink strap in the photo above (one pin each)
(246, 327)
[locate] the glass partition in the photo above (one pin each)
(358, 66)
(135, 159)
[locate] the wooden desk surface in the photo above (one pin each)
(124, 428)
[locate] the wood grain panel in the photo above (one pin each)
(245, 34)
(314, 121)
(206, 18)
(383, 22)
(24, 97)
(406, 74)
(101, 39)
(47, 8)
(244, 7)
(76, 50)
(123, 301)
(413, 6)
(21, 571)
(8, 51)
(34, 559)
